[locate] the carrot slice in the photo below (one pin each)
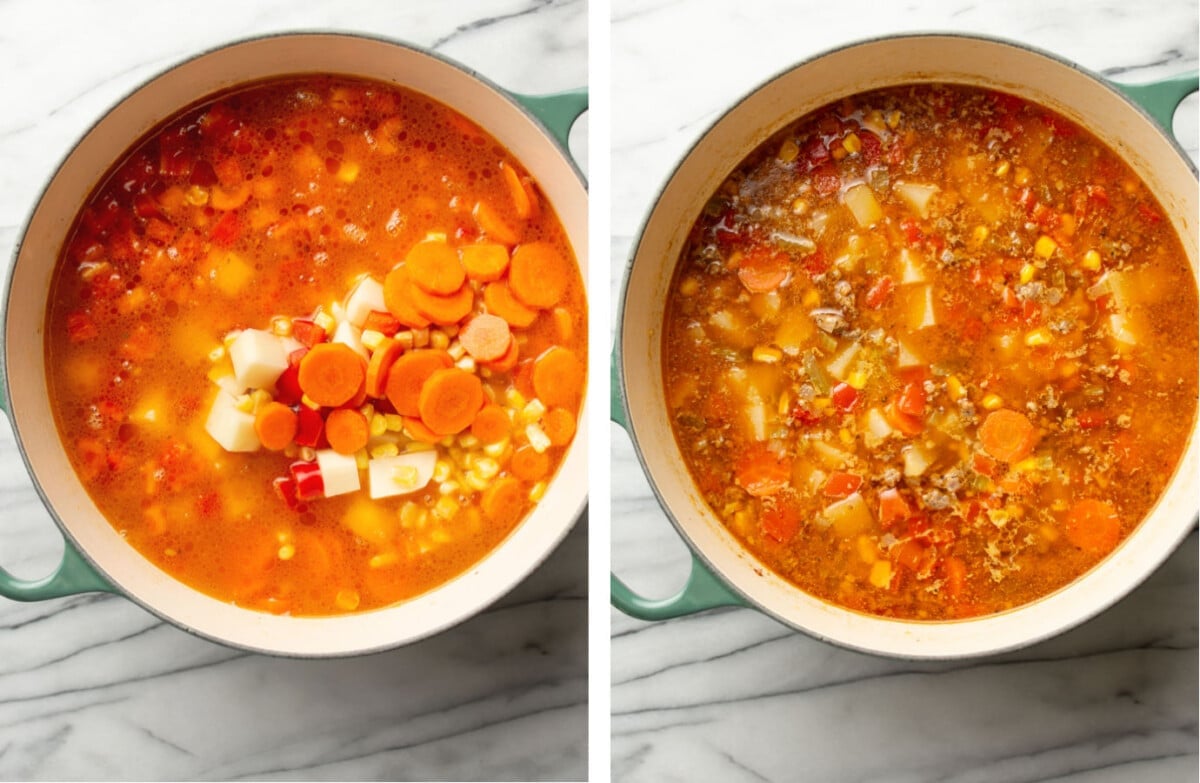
(499, 300)
(443, 309)
(486, 337)
(485, 261)
(493, 226)
(347, 430)
(275, 425)
(558, 377)
(449, 400)
(559, 426)
(762, 271)
(520, 197)
(434, 266)
(527, 464)
(416, 429)
(522, 378)
(1093, 526)
(503, 502)
(1007, 435)
(508, 361)
(491, 424)
(408, 374)
(331, 374)
(397, 298)
(359, 397)
(381, 361)
(762, 473)
(539, 274)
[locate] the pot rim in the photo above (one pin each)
(71, 541)
(704, 557)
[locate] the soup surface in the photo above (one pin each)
(931, 352)
(317, 345)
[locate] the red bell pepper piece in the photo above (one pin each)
(307, 476)
(844, 397)
(384, 323)
(307, 332)
(842, 485)
(285, 488)
(309, 427)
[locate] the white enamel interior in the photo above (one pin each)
(462, 597)
(862, 67)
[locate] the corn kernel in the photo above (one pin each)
(893, 120)
(325, 321)
(852, 143)
(383, 560)
(384, 450)
(446, 507)
(1068, 369)
(537, 492)
(378, 425)
(372, 339)
(881, 574)
(1045, 246)
(286, 552)
(395, 422)
(487, 467)
(1026, 465)
(954, 387)
(466, 364)
(514, 399)
(476, 482)
(456, 351)
(811, 298)
(338, 312)
(216, 354)
(867, 551)
(788, 151)
(439, 340)
(406, 477)
(845, 436)
(347, 600)
(1028, 272)
(799, 207)
(420, 338)
(449, 487)
(405, 339)
(689, 286)
(1022, 176)
(991, 402)
(1037, 337)
(980, 233)
(442, 470)
(1091, 261)
(196, 196)
(497, 449)
(308, 402)
(857, 379)
(767, 354)
(281, 326)
(244, 403)
(307, 453)
(534, 410)
(537, 438)
(362, 459)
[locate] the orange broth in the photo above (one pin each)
(262, 209)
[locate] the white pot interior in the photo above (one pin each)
(33, 422)
(855, 69)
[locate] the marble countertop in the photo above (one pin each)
(732, 695)
(94, 687)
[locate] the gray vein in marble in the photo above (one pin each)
(490, 21)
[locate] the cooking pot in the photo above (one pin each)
(96, 558)
(725, 573)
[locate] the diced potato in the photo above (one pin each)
(371, 522)
(795, 330)
(916, 460)
(862, 204)
(906, 356)
(921, 313)
(850, 516)
(875, 427)
(831, 457)
(229, 272)
(230, 427)
(839, 366)
(916, 196)
(731, 328)
(911, 268)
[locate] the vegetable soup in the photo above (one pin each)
(316, 345)
(930, 352)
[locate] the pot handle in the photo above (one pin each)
(703, 589)
(74, 574)
(1160, 99)
(557, 111)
